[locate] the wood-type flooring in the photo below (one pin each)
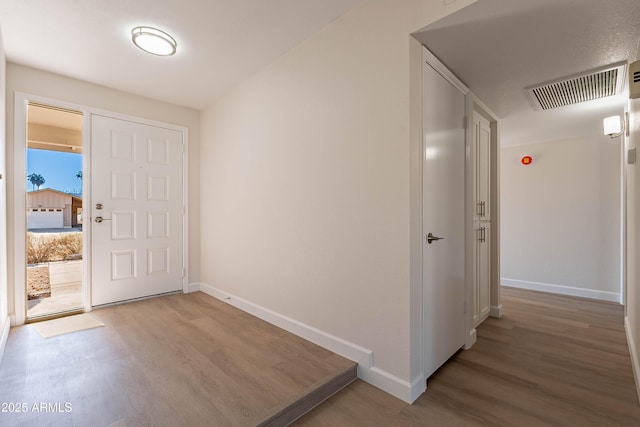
(191, 360)
(179, 360)
(551, 360)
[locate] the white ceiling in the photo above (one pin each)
(500, 47)
(497, 47)
(220, 42)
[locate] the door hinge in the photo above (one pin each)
(465, 306)
(184, 272)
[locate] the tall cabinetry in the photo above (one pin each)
(481, 160)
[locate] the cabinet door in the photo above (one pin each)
(482, 273)
(482, 168)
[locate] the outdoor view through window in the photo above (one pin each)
(53, 211)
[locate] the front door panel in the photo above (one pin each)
(137, 213)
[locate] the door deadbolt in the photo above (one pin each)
(99, 206)
(432, 238)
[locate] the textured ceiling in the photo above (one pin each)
(500, 47)
(220, 42)
(497, 47)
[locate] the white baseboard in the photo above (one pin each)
(496, 311)
(193, 287)
(471, 339)
(4, 335)
(12, 320)
(393, 385)
(635, 363)
(563, 290)
(418, 386)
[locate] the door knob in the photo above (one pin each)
(432, 238)
(99, 219)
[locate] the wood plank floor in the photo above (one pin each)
(550, 361)
(181, 360)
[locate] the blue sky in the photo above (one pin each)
(58, 169)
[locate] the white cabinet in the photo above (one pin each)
(481, 168)
(481, 163)
(482, 272)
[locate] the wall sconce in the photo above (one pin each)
(615, 126)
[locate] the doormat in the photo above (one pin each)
(66, 325)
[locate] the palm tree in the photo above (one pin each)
(79, 175)
(36, 180)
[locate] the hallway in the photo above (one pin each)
(551, 360)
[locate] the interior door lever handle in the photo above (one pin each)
(432, 238)
(99, 219)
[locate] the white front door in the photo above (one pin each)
(443, 217)
(137, 228)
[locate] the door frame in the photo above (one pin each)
(428, 59)
(20, 187)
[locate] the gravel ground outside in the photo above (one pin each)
(38, 284)
(43, 247)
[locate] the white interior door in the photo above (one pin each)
(444, 217)
(137, 228)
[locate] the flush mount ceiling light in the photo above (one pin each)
(153, 41)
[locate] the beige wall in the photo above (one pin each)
(561, 216)
(311, 179)
(3, 197)
(632, 178)
(53, 86)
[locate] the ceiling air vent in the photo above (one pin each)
(600, 83)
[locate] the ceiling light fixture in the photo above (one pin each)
(154, 41)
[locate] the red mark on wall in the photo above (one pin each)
(526, 160)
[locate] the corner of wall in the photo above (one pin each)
(4, 292)
(416, 367)
(496, 311)
(193, 287)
